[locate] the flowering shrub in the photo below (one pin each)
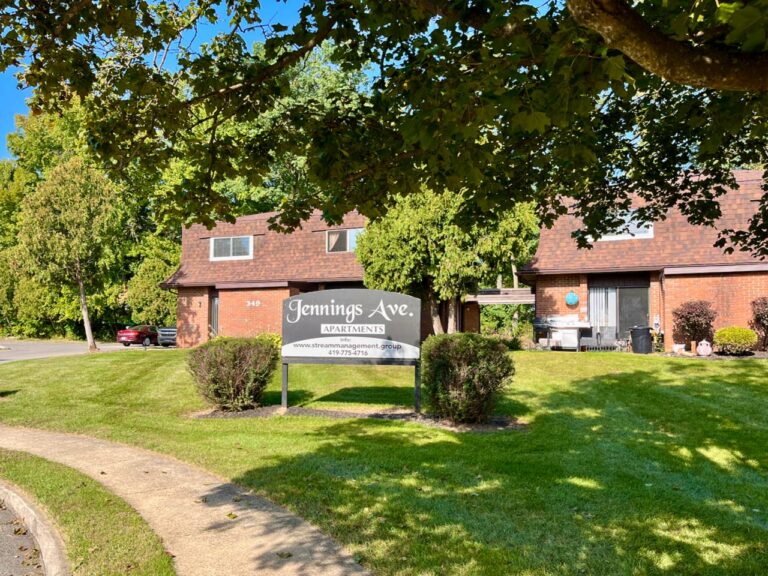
(693, 321)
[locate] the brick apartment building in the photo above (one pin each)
(233, 279)
(627, 280)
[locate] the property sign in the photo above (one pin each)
(351, 326)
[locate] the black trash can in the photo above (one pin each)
(641, 340)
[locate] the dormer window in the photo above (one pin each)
(342, 240)
(231, 248)
(631, 229)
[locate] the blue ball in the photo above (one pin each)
(571, 298)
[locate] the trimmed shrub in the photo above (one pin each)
(462, 375)
(735, 341)
(693, 321)
(232, 373)
(760, 319)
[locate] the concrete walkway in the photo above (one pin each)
(12, 349)
(210, 526)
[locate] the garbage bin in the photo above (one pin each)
(641, 340)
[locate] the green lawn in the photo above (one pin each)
(631, 464)
(102, 534)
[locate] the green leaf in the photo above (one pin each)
(725, 11)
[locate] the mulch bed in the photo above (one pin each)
(761, 355)
(496, 424)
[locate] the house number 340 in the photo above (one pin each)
(252, 303)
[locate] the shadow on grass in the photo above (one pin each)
(295, 397)
(7, 393)
(397, 395)
(654, 472)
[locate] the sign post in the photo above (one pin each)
(352, 326)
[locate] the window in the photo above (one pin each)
(342, 240)
(232, 248)
(631, 229)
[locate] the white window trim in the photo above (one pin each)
(647, 235)
(213, 258)
(615, 237)
(346, 243)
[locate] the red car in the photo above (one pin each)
(141, 334)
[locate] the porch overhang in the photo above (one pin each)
(503, 296)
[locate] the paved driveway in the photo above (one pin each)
(29, 349)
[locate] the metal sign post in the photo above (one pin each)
(352, 326)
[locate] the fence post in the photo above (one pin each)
(417, 388)
(284, 399)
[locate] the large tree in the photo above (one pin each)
(512, 101)
(66, 229)
(421, 248)
(149, 303)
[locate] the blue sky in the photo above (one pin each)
(12, 100)
(12, 103)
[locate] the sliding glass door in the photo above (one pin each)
(614, 311)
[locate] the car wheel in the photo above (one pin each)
(147, 341)
(126, 344)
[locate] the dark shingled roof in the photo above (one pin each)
(277, 258)
(675, 242)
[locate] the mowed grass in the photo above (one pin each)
(103, 536)
(630, 464)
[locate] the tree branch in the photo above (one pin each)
(677, 61)
(625, 30)
(471, 16)
(285, 61)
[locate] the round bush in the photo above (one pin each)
(232, 373)
(735, 341)
(462, 375)
(693, 321)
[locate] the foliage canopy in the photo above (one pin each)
(512, 101)
(420, 248)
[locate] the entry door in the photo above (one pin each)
(633, 309)
(214, 314)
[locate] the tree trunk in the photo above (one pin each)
(434, 312)
(515, 284)
(86, 319)
(453, 316)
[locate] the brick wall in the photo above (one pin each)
(192, 313)
(252, 312)
(551, 292)
(249, 312)
(731, 296)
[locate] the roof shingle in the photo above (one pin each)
(675, 242)
(296, 257)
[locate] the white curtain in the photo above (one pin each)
(602, 312)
